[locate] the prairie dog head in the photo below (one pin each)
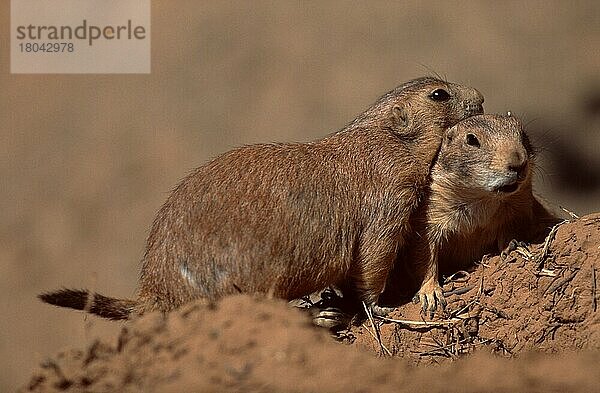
(485, 156)
(427, 103)
(421, 107)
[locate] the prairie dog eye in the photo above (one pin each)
(439, 95)
(472, 140)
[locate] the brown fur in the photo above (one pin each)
(470, 210)
(290, 219)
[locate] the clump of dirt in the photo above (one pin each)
(544, 301)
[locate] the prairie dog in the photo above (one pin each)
(480, 198)
(292, 218)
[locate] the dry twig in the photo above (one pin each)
(542, 257)
(594, 300)
(376, 334)
(559, 282)
(570, 213)
(459, 291)
(546, 272)
(443, 323)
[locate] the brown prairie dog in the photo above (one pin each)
(480, 199)
(290, 219)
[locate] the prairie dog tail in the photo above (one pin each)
(93, 303)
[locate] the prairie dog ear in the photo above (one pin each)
(450, 134)
(399, 116)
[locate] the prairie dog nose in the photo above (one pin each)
(517, 162)
(478, 97)
(474, 104)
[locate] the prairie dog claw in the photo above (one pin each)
(512, 246)
(330, 317)
(431, 297)
(379, 311)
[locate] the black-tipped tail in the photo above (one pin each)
(94, 303)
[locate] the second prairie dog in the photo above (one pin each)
(480, 199)
(290, 219)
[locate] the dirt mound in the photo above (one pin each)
(546, 300)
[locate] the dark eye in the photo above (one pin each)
(439, 95)
(472, 140)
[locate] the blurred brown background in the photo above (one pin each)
(87, 160)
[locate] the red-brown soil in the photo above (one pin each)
(516, 304)
(528, 324)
